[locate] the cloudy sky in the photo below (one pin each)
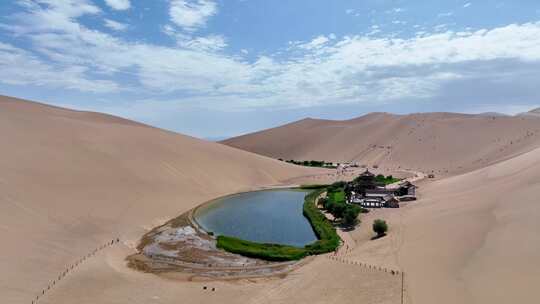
(216, 68)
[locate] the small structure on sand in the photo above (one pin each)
(367, 192)
(406, 188)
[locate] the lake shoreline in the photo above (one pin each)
(270, 216)
(207, 262)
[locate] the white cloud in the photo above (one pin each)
(207, 43)
(59, 15)
(119, 5)
(508, 109)
(116, 26)
(210, 43)
(18, 67)
(191, 14)
(467, 4)
(324, 70)
(442, 15)
(395, 10)
(317, 42)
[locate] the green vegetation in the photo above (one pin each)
(337, 206)
(350, 216)
(269, 252)
(380, 227)
(337, 196)
(386, 179)
(313, 187)
(328, 240)
(381, 179)
(311, 163)
(326, 233)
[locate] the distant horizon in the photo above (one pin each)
(210, 68)
(217, 138)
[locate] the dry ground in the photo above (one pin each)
(445, 143)
(70, 181)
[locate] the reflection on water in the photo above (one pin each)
(273, 216)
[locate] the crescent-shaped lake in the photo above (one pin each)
(269, 216)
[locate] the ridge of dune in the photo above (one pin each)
(71, 180)
(470, 238)
(442, 143)
(534, 112)
(474, 238)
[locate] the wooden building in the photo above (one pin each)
(368, 193)
(374, 200)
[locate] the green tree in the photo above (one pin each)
(329, 206)
(350, 216)
(338, 210)
(380, 227)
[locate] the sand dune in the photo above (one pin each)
(70, 181)
(497, 219)
(471, 237)
(474, 238)
(445, 143)
(533, 112)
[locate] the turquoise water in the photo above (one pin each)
(273, 216)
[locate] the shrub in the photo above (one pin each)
(313, 187)
(322, 201)
(336, 187)
(380, 227)
(386, 179)
(350, 216)
(338, 210)
(269, 252)
(337, 195)
(325, 232)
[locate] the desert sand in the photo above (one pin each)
(471, 238)
(440, 143)
(71, 181)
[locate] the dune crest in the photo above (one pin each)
(474, 238)
(442, 143)
(70, 180)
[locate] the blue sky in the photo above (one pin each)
(213, 68)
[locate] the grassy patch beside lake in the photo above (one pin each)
(328, 240)
(337, 196)
(325, 231)
(269, 252)
(313, 187)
